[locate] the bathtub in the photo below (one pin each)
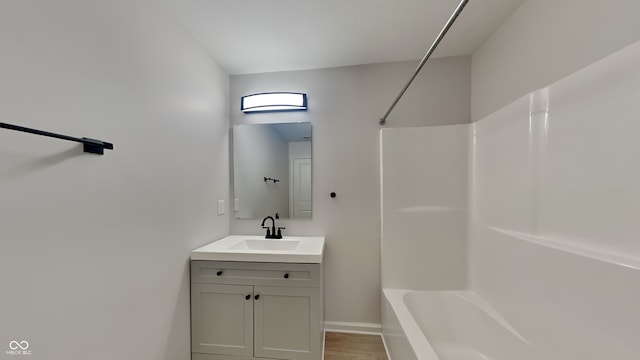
(447, 325)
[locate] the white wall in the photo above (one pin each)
(94, 249)
(555, 207)
(424, 173)
(545, 40)
(259, 151)
(300, 149)
(344, 107)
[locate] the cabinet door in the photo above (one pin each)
(222, 319)
(287, 323)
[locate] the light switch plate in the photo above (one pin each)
(220, 207)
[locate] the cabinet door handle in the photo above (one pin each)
(247, 297)
(219, 273)
(257, 297)
(286, 275)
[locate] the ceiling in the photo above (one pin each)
(293, 131)
(253, 36)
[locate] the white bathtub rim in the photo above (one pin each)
(483, 305)
(418, 341)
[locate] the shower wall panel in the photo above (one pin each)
(555, 207)
(424, 175)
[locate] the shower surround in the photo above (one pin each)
(545, 219)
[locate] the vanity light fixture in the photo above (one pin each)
(274, 101)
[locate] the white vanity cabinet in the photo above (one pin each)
(251, 310)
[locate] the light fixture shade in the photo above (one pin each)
(274, 101)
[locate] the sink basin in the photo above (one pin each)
(289, 249)
(266, 244)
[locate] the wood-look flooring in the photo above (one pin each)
(339, 346)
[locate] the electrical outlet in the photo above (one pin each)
(220, 207)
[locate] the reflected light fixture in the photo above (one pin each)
(274, 101)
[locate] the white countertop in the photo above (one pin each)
(309, 249)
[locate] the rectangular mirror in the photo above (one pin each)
(272, 170)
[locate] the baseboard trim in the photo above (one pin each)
(353, 327)
(324, 341)
(386, 349)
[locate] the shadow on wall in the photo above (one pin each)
(23, 164)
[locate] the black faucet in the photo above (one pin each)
(271, 233)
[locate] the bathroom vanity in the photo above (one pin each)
(256, 298)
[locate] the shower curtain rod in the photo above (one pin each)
(433, 47)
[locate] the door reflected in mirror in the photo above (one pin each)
(272, 170)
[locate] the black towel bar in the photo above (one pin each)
(90, 145)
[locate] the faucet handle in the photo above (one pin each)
(268, 231)
(279, 236)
